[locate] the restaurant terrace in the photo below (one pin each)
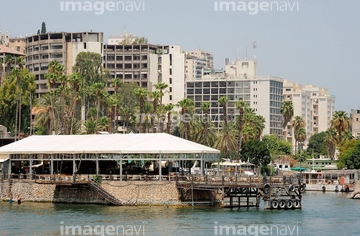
(91, 154)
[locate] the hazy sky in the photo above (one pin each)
(313, 42)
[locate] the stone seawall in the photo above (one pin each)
(128, 192)
(36, 192)
(143, 193)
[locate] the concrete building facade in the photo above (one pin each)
(63, 47)
(264, 94)
(355, 122)
(205, 56)
(148, 64)
(194, 67)
(19, 44)
(4, 38)
(314, 104)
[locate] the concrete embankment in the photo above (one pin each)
(127, 192)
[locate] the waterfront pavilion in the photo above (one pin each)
(54, 150)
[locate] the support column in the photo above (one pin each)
(9, 168)
(160, 167)
(202, 165)
(97, 165)
(52, 165)
(74, 166)
(30, 168)
(121, 170)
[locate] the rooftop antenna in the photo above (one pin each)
(254, 47)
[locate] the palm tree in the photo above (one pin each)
(340, 122)
(300, 135)
(259, 125)
(204, 133)
(287, 111)
(74, 81)
(160, 87)
(155, 95)
(186, 105)
(223, 100)
(9, 61)
(142, 94)
(103, 123)
(226, 141)
(19, 61)
(168, 109)
(116, 83)
(330, 139)
(241, 105)
(297, 123)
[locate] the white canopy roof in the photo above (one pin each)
(111, 143)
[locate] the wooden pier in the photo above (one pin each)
(279, 192)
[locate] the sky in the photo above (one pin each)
(308, 42)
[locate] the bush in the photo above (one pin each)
(97, 179)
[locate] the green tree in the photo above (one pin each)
(187, 106)
(297, 123)
(277, 146)
(340, 122)
(141, 94)
(287, 112)
(43, 28)
(168, 109)
(205, 134)
(330, 140)
(317, 144)
(256, 152)
(350, 157)
(241, 106)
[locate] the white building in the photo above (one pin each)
(173, 74)
(314, 104)
(205, 56)
(355, 122)
(63, 47)
(264, 94)
(194, 67)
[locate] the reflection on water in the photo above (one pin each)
(322, 214)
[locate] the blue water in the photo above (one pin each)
(322, 214)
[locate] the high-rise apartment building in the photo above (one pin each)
(194, 67)
(315, 105)
(148, 64)
(63, 47)
(205, 56)
(19, 44)
(264, 94)
(355, 122)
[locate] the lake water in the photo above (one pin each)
(322, 214)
